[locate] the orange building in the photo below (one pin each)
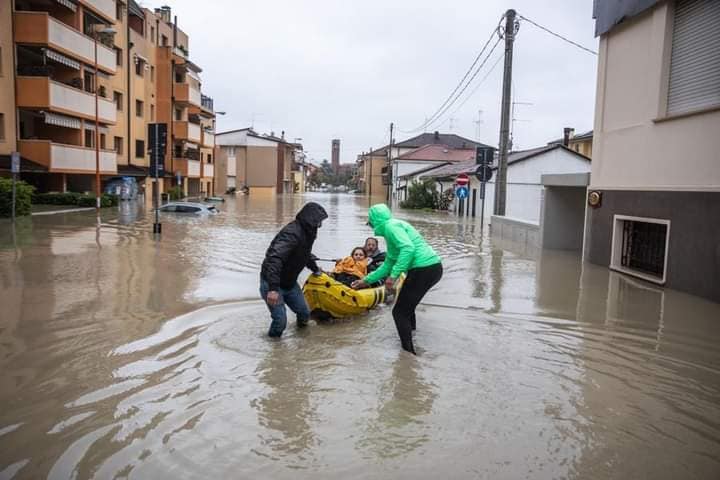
(49, 86)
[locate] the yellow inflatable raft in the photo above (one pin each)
(326, 296)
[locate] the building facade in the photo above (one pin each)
(144, 75)
(265, 164)
(654, 193)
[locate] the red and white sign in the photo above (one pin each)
(462, 180)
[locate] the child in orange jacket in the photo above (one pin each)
(351, 268)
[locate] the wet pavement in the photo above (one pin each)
(123, 357)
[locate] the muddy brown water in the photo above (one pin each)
(123, 357)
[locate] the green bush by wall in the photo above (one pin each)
(23, 198)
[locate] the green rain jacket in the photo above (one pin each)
(406, 248)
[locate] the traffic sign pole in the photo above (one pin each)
(15, 169)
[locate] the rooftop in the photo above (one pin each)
(439, 153)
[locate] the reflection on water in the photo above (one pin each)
(122, 356)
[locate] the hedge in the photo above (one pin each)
(23, 198)
(73, 198)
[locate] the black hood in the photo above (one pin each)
(311, 215)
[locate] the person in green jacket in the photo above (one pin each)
(408, 253)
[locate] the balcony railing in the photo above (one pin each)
(59, 157)
(46, 94)
(39, 28)
(187, 131)
(186, 94)
(187, 168)
(188, 154)
(104, 7)
(208, 170)
(208, 139)
(206, 103)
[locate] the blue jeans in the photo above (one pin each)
(293, 298)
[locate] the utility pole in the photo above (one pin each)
(501, 182)
(389, 166)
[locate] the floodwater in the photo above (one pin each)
(123, 357)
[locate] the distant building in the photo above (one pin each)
(654, 192)
(581, 143)
(335, 156)
(264, 163)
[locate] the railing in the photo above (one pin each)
(208, 139)
(208, 170)
(188, 154)
(206, 102)
(42, 29)
(183, 92)
(61, 157)
(187, 131)
(41, 92)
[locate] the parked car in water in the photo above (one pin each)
(188, 207)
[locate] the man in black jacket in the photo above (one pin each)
(288, 253)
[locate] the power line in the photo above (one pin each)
(434, 116)
(557, 35)
(468, 83)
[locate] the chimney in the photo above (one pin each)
(164, 13)
(282, 134)
(568, 133)
(437, 135)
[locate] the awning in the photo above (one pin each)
(143, 59)
(67, 4)
(60, 58)
(191, 145)
(91, 127)
(61, 120)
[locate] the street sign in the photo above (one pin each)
(462, 180)
(15, 162)
(461, 192)
(483, 173)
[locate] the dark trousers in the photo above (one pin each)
(417, 283)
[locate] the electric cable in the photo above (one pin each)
(557, 35)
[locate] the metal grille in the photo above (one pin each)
(643, 247)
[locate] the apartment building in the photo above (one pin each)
(654, 193)
(49, 86)
(265, 164)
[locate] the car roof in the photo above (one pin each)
(189, 204)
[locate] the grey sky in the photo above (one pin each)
(340, 69)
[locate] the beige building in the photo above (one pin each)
(370, 172)
(266, 164)
(654, 192)
(48, 86)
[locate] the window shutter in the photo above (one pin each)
(695, 61)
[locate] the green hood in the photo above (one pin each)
(378, 216)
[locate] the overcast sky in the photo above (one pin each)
(345, 69)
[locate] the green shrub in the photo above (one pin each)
(23, 198)
(421, 194)
(175, 193)
(74, 198)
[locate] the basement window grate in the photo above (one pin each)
(640, 247)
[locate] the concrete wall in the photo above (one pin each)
(525, 235)
(563, 218)
(635, 145)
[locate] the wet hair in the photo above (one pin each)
(356, 249)
(373, 239)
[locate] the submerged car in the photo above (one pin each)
(188, 207)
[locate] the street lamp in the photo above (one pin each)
(96, 32)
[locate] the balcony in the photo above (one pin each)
(45, 94)
(58, 157)
(208, 170)
(186, 167)
(187, 131)
(206, 103)
(106, 8)
(208, 139)
(39, 28)
(184, 93)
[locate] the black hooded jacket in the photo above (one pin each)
(290, 250)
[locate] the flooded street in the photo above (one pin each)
(123, 357)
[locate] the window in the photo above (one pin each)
(102, 141)
(118, 56)
(139, 148)
(640, 246)
(694, 82)
(139, 106)
(164, 40)
(1, 63)
(118, 144)
(89, 138)
(2, 127)
(152, 113)
(178, 77)
(139, 67)
(152, 73)
(89, 82)
(118, 11)
(152, 34)
(118, 98)
(178, 114)
(209, 158)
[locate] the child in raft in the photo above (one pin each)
(351, 268)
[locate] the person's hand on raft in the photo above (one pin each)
(273, 298)
(358, 284)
